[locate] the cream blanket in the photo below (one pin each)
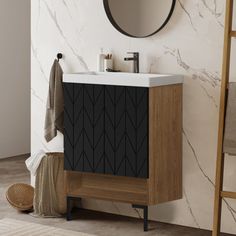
(33, 162)
(50, 197)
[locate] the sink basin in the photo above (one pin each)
(123, 79)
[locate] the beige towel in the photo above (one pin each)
(229, 145)
(50, 196)
(55, 104)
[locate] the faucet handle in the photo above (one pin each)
(135, 53)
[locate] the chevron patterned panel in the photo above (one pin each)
(106, 129)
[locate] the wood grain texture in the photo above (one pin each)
(107, 187)
(165, 144)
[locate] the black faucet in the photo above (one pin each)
(135, 60)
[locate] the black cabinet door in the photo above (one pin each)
(106, 129)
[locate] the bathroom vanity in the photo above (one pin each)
(123, 138)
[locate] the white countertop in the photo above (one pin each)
(123, 79)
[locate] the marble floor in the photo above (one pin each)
(13, 170)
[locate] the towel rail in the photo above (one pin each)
(226, 194)
(233, 34)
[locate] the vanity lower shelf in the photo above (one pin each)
(107, 187)
(114, 195)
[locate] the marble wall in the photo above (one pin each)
(191, 44)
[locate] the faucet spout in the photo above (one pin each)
(129, 58)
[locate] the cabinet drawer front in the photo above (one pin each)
(106, 129)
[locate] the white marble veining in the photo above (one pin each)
(191, 44)
(123, 79)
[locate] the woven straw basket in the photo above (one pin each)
(20, 196)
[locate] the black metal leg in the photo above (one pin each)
(69, 206)
(145, 216)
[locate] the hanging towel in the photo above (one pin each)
(55, 104)
(49, 194)
(34, 161)
(229, 145)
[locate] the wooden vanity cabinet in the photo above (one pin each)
(123, 143)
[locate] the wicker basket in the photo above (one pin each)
(20, 196)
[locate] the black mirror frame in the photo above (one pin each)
(110, 17)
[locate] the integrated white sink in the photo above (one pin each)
(123, 79)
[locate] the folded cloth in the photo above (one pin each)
(49, 194)
(55, 104)
(33, 162)
(229, 144)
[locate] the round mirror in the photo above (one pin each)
(139, 18)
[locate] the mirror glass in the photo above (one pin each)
(139, 18)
